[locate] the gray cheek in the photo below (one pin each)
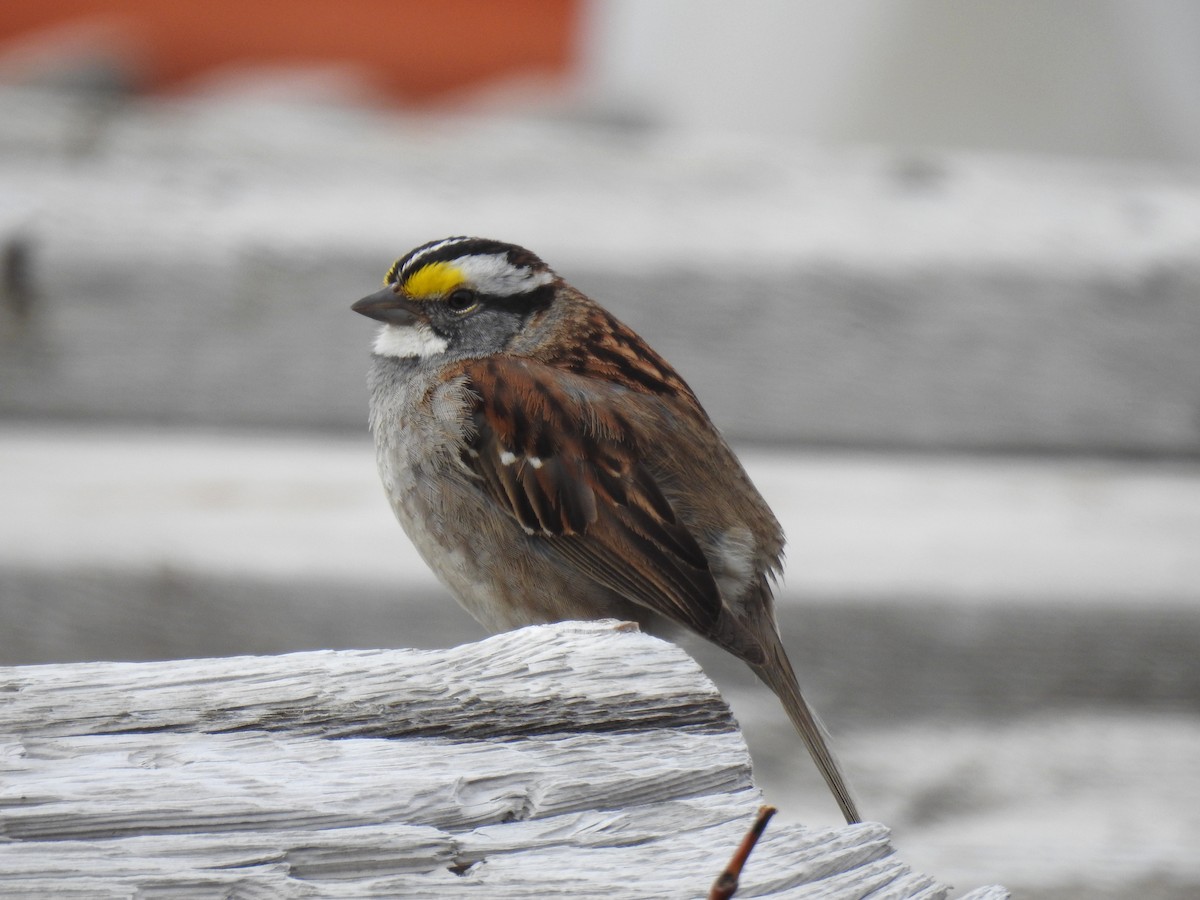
(488, 331)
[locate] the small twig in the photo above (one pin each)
(727, 882)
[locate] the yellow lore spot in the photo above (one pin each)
(434, 280)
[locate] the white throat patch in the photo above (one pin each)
(409, 341)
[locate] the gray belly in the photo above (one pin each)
(503, 577)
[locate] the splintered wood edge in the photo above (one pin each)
(580, 758)
(577, 676)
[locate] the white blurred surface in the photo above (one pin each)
(1073, 77)
(963, 528)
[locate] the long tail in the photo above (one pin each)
(777, 672)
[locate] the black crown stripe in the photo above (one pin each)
(455, 247)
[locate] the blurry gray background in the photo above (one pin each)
(934, 267)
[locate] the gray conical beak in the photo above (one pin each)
(387, 306)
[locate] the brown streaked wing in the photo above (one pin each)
(555, 452)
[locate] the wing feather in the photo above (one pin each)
(555, 452)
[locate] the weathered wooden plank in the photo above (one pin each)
(573, 760)
(526, 684)
(205, 781)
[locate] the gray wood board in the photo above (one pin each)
(570, 760)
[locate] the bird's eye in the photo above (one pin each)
(462, 301)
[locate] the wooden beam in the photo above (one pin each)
(571, 760)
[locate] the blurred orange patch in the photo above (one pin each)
(415, 50)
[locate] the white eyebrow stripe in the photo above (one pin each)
(493, 274)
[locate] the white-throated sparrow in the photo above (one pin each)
(549, 465)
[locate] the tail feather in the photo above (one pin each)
(777, 672)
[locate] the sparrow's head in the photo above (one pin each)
(462, 294)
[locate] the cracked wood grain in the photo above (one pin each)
(581, 759)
